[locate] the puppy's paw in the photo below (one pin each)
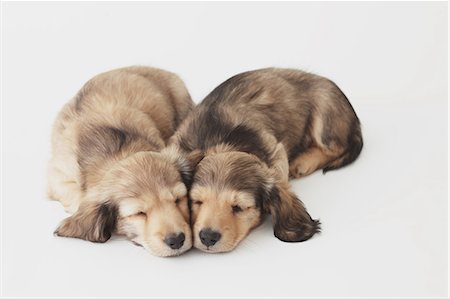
(301, 169)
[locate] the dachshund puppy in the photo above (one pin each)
(107, 167)
(251, 134)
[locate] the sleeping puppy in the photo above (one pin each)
(107, 169)
(251, 134)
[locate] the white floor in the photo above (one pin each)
(385, 218)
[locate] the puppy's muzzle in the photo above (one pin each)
(175, 241)
(209, 237)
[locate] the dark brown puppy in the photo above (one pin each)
(251, 133)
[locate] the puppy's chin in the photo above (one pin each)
(162, 250)
(217, 248)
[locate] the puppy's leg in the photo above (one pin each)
(351, 150)
(63, 189)
(335, 143)
(308, 162)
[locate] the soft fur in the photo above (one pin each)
(107, 167)
(252, 133)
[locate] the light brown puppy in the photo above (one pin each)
(107, 167)
(251, 134)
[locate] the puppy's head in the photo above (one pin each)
(231, 192)
(143, 197)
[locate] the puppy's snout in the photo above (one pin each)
(209, 237)
(175, 241)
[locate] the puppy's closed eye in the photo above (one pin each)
(140, 214)
(236, 209)
(180, 200)
(197, 202)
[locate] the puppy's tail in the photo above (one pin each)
(353, 149)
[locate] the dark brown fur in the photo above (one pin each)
(291, 121)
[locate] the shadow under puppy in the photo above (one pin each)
(251, 134)
(106, 166)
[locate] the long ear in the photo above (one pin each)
(185, 162)
(292, 223)
(94, 222)
(279, 163)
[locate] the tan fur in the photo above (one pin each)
(212, 197)
(233, 227)
(107, 159)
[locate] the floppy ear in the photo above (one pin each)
(94, 222)
(185, 162)
(279, 163)
(292, 223)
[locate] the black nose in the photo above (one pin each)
(209, 237)
(175, 241)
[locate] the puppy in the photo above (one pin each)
(107, 169)
(251, 134)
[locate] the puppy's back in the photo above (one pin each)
(302, 110)
(160, 95)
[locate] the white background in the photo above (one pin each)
(385, 218)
